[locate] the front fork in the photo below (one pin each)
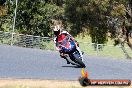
(80, 52)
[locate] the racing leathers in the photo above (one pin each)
(59, 39)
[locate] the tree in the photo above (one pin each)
(88, 13)
(2, 7)
(34, 17)
(2, 2)
(101, 16)
(122, 27)
(6, 15)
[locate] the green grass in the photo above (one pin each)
(47, 45)
(106, 51)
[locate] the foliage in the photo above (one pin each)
(2, 2)
(34, 17)
(7, 17)
(96, 16)
(88, 13)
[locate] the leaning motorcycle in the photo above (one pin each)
(69, 48)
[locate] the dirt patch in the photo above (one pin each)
(31, 83)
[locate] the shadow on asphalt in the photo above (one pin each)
(71, 66)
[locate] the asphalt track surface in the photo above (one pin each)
(26, 63)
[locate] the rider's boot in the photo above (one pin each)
(65, 57)
(82, 52)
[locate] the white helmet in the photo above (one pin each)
(57, 30)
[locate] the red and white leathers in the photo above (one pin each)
(58, 39)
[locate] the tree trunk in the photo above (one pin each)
(123, 49)
(127, 39)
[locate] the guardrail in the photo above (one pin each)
(28, 41)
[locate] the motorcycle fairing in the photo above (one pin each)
(68, 46)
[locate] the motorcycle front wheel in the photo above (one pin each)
(79, 61)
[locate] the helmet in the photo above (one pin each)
(56, 30)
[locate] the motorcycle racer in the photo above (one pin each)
(59, 38)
